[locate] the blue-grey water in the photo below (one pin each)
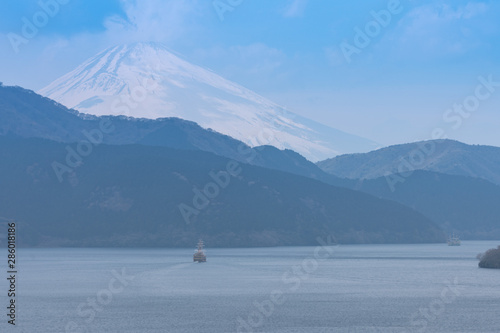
(355, 288)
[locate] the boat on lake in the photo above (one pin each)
(199, 254)
(454, 240)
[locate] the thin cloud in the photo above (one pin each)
(295, 9)
(154, 20)
(437, 30)
(255, 60)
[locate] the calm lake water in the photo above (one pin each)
(357, 288)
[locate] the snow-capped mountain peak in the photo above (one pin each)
(149, 81)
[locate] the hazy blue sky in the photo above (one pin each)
(395, 89)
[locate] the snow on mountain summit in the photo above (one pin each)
(147, 80)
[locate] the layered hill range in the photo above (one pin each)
(444, 156)
(25, 114)
(455, 184)
(146, 80)
(72, 179)
(130, 184)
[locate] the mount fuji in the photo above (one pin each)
(146, 80)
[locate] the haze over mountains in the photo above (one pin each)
(147, 182)
(147, 80)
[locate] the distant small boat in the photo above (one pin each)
(199, 254)
(454, 240)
